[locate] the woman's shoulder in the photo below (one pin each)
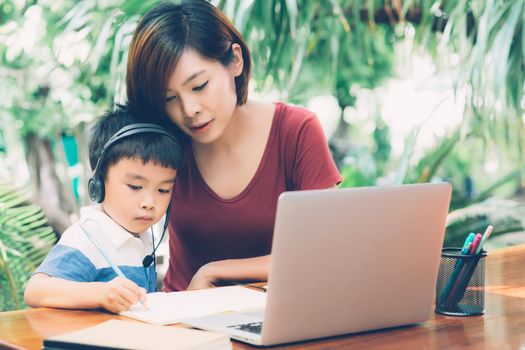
(294, 120)
(286, 119)
(293, 115)
(294, 109)
(282, 109)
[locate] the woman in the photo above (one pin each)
(188, 65)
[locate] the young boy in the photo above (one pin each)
(135, 171)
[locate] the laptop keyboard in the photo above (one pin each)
(254, 327)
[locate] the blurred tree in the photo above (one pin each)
(63, 62)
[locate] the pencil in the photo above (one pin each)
(248, 285)
(486, 236)
(115, 268)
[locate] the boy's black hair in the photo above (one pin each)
(148, 147)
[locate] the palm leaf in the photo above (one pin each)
(25, 239)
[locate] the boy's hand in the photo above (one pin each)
(119, 294)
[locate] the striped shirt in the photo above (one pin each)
(76, 258)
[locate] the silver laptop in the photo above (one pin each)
(345, 261)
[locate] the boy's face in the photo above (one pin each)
(137, 194)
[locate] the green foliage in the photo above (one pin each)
(78, 64)
(359, 170)
(325, 47)
(505, 215)
(488, 38)
(25, 239)
(382, 150)
(428, 165)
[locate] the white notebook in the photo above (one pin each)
(117, 334)
(175, 307)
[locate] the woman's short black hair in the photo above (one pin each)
(161, 37)
(160, 149)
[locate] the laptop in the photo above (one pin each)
(346, 261)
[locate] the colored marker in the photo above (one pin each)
(486, 236)
(475, 244)
(457, 267)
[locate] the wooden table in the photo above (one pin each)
(502, 326)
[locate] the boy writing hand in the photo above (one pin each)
(134, 168)
(116, 295)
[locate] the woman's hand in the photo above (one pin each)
(203, 278)
(231, 270)
(119, 294)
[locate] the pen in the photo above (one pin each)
(469, 248)
(457, 291)
(486, 236)
(249, 286)
(468, 240)
(457, 267)
(115, 268)
(475, 244)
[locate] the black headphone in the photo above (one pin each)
(96, 189)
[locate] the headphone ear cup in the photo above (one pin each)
(96, 189)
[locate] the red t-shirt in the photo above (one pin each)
(204, 227)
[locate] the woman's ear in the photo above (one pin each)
(237, 63)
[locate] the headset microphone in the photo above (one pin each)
(150, 258)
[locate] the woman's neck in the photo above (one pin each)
(238, 128)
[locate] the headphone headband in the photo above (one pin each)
(96, 189)
(127, 131)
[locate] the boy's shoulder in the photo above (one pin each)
(75, 241)
(75, 236)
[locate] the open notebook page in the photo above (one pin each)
(168, 308)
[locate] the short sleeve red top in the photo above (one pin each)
(204, 227)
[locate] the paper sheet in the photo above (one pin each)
(168, 308)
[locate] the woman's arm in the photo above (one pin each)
(115, 296)
(251, 269)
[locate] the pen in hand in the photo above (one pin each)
(115, 268)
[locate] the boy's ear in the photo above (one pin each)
(237, 64)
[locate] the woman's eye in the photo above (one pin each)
(200, 87)
(135, 188)
(171, 98)
(162, 190)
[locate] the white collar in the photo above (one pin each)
(113, 231)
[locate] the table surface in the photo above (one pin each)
(502, 326)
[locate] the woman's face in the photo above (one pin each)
(201, 96)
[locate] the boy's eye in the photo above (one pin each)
(135, 188)
(200, 87)
(171, 98)
(163, 190)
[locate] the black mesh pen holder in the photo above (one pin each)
(460, 288)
